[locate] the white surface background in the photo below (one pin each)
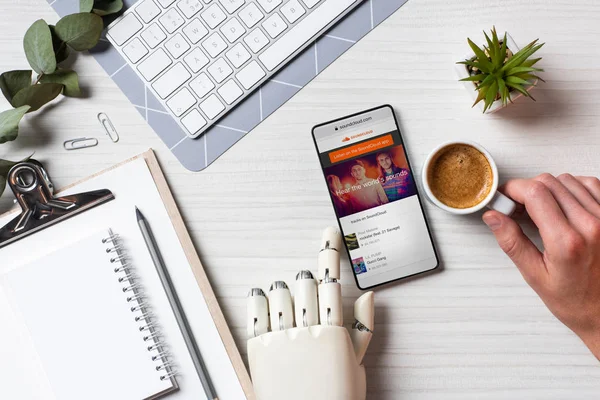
(475, 329)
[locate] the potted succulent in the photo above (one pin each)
(500, 72)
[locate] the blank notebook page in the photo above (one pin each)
(73, 309)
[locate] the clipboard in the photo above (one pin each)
(192, 257)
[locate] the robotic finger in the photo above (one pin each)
(258, 313)
(330, 290)
(280, 307)
(305, 300)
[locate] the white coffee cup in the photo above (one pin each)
(494, 200)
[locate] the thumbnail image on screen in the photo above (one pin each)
(370, 181)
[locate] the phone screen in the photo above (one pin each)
(375, 197)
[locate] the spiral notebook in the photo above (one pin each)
(67, 330)
(89, 324)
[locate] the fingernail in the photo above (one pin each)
(492, 221)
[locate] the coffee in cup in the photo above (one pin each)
(461, 177)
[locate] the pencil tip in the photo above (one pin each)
(138, 214)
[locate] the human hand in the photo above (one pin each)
(566, 275)
(311, 361)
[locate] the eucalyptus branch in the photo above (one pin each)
(46, 47)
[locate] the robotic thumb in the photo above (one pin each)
(362, 329)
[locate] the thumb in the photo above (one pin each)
(517, 246)
(362, 330)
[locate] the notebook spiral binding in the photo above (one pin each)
(135, 296)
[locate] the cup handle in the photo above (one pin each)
(502, 204)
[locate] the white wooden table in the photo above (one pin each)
(474, 330)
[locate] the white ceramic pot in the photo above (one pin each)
(463, 72)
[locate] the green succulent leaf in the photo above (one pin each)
(522, 55)
(502, 90)
(530, 63)
(37, 95)
(520, 70)
(85, 6)
(490, 96)
(519, 88)
(80, 31)
(9, 123)
(480, 54)
(474, 78)
(66, 77)
(61, 50)
(516, 80)
(13, 81)
(107, 7)
(37, 44)
(480, 96)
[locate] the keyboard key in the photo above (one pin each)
(212, 106)
(303, 32)
(292, 10)
(196, 60)
(251, 15)
(147, 10)
(153, 36)
(154, 64)
(189, 8)
(195, 31)
(214, 45)
(230, 91)
(135, 50)
(213, 16)
(231, 5)
(193, 122)
(269, 5)
(171, 20)
(274, 25)
(250, 75)
(202, 85)
(123, 30)
(238, 55)
(220, 70)
(256, 40)
(233, 30)
(310, 3)
(165, 3)
(177, 45)
(171, 80)
(181, 102)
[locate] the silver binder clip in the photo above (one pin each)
(80, 143)
(109, 128)
(34, 191)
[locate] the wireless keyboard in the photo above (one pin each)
(202, 57)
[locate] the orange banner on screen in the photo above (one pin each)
(361, 148)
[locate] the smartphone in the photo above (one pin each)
(375, 197)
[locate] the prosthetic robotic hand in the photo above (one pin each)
(315, 358)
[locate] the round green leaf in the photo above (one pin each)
(37, 95)
(86, 5)
(38, 48)
(80, 31)
(9, 123)
(66, 77)
(107, 7)
(13, 81)
(61, 50)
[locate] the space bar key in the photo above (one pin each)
(302, 33)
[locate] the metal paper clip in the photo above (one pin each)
(80, 143)
(109, 128)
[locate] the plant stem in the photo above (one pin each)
(38, 78)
